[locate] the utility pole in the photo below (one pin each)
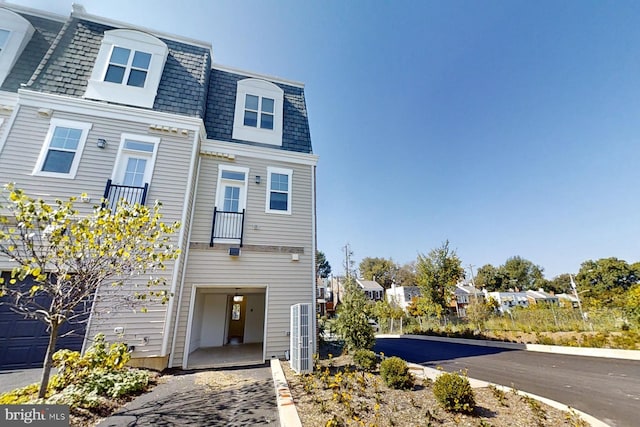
(575, 292)
(473, 283)
(348, 253)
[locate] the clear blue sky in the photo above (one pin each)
(507, 127)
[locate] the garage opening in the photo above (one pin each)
(227, 327)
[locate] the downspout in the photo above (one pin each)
(184, 270)
(182, 257)
(313, 257)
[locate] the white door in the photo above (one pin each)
(134, 165)
(133, 171)
(230, 204)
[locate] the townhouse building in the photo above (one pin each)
(96, 106)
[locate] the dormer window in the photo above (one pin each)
(15, 34)
(128, 68)
(258, 115)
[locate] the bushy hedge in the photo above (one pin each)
(454, 392)
(365, 360)
(395, 373)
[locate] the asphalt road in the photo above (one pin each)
(608, 389)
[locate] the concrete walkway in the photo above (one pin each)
(18, 378)
(238, 396)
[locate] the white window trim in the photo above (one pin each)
(289, 172)
(219, 202)
(121, 93)
(262, 89)
(85, 127)
(122, 151)
(20, 33)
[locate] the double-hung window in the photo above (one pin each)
(258, 111)
(279, 190)
(62, 150)
(128, 67)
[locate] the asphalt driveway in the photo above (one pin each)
(239, 396)
(17, 378)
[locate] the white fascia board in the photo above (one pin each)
(100, 109)
(246, 150)
(129, 26)
(267, 77)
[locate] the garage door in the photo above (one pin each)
(23, 342)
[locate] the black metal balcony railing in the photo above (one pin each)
(227, 225)
(113, 193)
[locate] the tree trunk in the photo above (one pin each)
(48, 360)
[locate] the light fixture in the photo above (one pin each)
(102, 143)
(238, 298)
(258, 179)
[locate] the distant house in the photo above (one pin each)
(509, 300)
(402, 295)
(335, 291)
(568, 300)
(371, 288)
(464, 294)
(540, 296)
(323, 293)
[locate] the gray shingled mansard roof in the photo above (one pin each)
(182, 88)
(189, 85)
(222, 103)
(45, 33)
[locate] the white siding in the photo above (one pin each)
(169, 185)
(288, 282)
(260, 228)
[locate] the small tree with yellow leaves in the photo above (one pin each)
(68, 256)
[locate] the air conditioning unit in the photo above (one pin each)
(302, 338)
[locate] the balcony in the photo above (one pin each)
(113, 193)
(228, 226)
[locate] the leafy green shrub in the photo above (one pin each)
(365, 359)
(73, 367)
(395, 373)
(454, 392)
